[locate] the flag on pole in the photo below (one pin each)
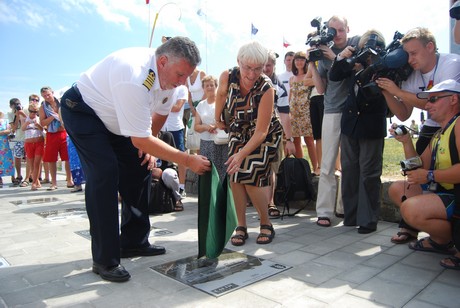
(200, 12)
(254, 30)
(286, 44)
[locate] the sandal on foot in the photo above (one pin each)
(326, 219)
(454, 260)
(52, 187)
(273, 211)
(240, 239)
(406, 238)
(265, 238)
(447, 249)
(178, 207)
(24, 184)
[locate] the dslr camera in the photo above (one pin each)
(389, 63)
(322, 36)
(410, 164)
(371, 49)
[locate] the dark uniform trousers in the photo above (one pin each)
(111, 165)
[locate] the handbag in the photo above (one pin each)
(193, 137)
(221, 137)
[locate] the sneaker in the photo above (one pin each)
(182, 193)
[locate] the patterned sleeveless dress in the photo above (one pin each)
(255, 168)
(300, 110)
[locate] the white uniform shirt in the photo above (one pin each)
(174, 121)
(448, 67)
(124, 91)
(207, 115)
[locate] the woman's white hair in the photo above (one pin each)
(253, 52)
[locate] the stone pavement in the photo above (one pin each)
(50, 262)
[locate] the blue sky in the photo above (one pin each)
(50, 42)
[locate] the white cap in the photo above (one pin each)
(448, 85)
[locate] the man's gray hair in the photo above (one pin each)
(253, 52)
(180, 47)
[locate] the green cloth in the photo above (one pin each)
(216, 214)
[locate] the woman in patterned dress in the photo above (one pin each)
(301, 85)
(255, 134)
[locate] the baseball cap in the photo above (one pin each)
(448, 85)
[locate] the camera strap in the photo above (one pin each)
(431, 79)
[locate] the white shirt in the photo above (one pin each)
(206, 112)
(448, 67)
(284, 78)
(124, 91)
(174, 121)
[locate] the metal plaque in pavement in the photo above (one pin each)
(54, 215)
(229, 272)
(34, 201)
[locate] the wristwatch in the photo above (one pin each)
(430, 176)
(290, 139)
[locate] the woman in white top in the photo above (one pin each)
(33, 143)
(205, 125)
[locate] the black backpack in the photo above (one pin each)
(293, 183)
(161, 198)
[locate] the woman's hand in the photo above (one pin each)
(289, 148)
(234, 162)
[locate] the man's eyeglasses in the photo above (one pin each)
(256, 70)
(434, 99)
(33, 111)
(34, 100)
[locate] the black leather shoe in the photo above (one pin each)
(151, 250)
(115, 273)
(365, 230)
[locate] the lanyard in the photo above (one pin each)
(435, 150)
(431, 80)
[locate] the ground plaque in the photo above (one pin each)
(230, 272)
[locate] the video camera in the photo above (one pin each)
(390, 63)
(322, 36)
(454, 11)
(410, 164)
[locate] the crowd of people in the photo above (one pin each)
(261, 117)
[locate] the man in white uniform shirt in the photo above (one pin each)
(112, 115)
(284, 77)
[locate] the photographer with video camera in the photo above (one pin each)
(363, 129)
(429, 69)
(428, 197)
(334, 99)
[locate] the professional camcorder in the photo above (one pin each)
(322, 36)
(410, 164)
(390, 63)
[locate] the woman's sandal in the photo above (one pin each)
(447, 249)
(273, 211)
(264, 238)
(454, 260)
(404, 237)
(240, 239)
(24, 184)
(323, 222)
